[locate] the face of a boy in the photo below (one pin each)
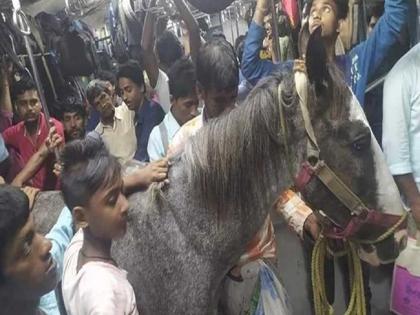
(324, 14)
(219, 102)
(185, 108)
(131, 93)
(29, 267)
(107, 212)
(29, 106)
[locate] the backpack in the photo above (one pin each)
(77, 50)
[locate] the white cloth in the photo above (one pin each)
(155, 147)
(162, 91)
(120, 138)
(401, 116)
(99, 288)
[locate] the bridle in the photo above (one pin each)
(314, 167)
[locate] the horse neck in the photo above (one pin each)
(238, 162)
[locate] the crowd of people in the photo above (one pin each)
(143, 114)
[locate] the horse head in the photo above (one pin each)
(348, 147)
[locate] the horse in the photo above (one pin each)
(183, 238)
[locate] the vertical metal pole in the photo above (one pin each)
(274, 28)
(229, 10)
(237, 15)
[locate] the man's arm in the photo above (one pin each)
(52, 142)
(253, 68)
(372, 52)
(141, 179)
(396, 131)
(192, 26)
(297, 214)
(6, 108)
(147, 42)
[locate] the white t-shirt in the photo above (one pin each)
(99, 288)
(162, 91)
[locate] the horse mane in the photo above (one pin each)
(232, 161)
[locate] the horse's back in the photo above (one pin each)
(46, 210)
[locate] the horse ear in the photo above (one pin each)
(316, 60)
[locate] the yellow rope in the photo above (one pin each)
(357, 304)
(388, 233)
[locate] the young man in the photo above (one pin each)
(116, 124)
(30, 264)
(217, 86)
(358, 65)
(146, 113)
(28, 136)
(401, 136)
(92, 187)
(182, 85)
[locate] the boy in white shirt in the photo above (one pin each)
(92, 187)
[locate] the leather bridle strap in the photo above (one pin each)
(322, 171)
(340, 190)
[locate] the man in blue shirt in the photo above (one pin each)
(357, 66)
(148, 114)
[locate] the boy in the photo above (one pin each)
(30, 264)
(92, 187)
(182, 85)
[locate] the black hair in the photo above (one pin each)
(14, 213)
(87, 167)
(342, 8)
(74, 108)
(21, 86)
(182, 78)
(94, 89)
(106, 76)
(169, 48)
(217, 65)
(131, 70)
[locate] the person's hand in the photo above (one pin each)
(31, 192)
(6, 71)
(154, 172)
(263, 6)
(54, 140)
(312, 226)
(58, 167)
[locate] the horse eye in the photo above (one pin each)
(360, 144)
